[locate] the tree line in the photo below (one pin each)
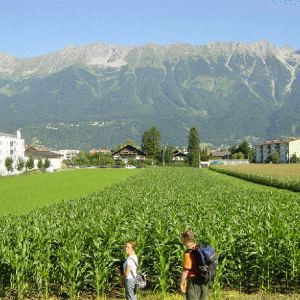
(151, 145)
(163, 155)
(29, 164)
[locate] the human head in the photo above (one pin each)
(129, 247)
(187, 236)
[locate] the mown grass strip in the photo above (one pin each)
(286, 184)
(24, 193)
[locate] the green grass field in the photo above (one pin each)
(22, 194)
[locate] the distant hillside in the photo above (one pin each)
(227, 90)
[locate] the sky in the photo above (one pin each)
(33, 28)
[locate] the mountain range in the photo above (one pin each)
(100, 95)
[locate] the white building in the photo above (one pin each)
(43, 153)
(11, 146)
(68, 154)
(285, 148)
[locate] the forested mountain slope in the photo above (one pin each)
(227, 90)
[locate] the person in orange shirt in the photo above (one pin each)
(195, 289)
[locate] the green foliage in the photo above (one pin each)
(8, 163)
(149, 161)
(244, 148)
(238, 155)
(29, 163)
(40, 163)
(166, 155)
(150, 142)
(82, 159)
(294, 159)
(72, 246)
(193, 148)
(47, 163)
(132, 162)
(156, 83)
(233, 149)
(274, 158)
(106, 160)
(21, 164)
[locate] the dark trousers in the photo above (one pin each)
(196, 290)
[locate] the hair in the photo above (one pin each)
(188, 235)
(132, 244)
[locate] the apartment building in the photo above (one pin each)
(285, 147)
(69, 154)
(11, 146)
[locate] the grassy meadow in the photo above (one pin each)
(73, 248)
(24, 193)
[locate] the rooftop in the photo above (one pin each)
(277, 141)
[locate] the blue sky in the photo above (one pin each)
(32, 28)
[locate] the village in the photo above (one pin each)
(14, 150)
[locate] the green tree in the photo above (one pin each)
(167, 154)
(240, 155)
(233, 150)
(274, 158)
(40, 163)
(21, 164)
(106, 160)
(294, 159)
(8, 163)
(82, 159)
(245, 148)
(29, 163)
(193, 148)
(150, 142)
(47, 163)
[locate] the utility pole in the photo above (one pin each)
(163, 156)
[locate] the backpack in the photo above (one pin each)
(140, 279)
(206, 262)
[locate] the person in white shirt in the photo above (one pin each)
(129, 269)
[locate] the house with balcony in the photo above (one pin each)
(179, 156)
(128, 152)
(285, 148)
(11, 146)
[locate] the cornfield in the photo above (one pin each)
(75, 247)
(284, 176)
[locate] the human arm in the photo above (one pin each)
(183, 277)
(127, 271)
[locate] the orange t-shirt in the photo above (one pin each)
(189, 263)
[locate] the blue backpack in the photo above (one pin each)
(206, 262)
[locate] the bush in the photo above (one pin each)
(274, 158)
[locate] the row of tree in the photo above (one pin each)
(29, 164)
(150, 144)
(156, 153)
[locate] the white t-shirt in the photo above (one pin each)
(129, 262)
